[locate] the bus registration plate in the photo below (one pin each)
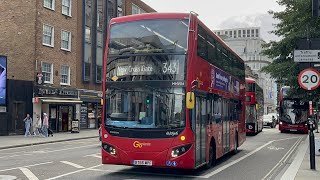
(142, 162)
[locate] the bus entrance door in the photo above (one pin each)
(199, 119)
(226, 127)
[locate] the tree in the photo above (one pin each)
(295, 23)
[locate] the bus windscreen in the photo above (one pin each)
(149, 36)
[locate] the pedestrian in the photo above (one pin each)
(316, 122)
(45, 125)
(39, 125)
(27, 121)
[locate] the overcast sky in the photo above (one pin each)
(221, 14)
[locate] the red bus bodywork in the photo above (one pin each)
(159, 150)
(253, 99)
(284, 125)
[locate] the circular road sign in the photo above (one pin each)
(309, 79)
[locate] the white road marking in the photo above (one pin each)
(45, 152)
(73, 172)
(275, 148)
(73, 164)
(242, 158)
(296, 163)
(94, 155)
(3, 170)
(284, 158)
(28, 174)
(7, 177)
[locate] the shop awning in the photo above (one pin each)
(62, 101)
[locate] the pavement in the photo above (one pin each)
(300, 168)
(20, 141)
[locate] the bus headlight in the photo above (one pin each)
(110, 149)
(280, 122)
(180, 150)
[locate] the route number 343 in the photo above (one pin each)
(170, 68)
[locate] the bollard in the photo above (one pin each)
(311, 145)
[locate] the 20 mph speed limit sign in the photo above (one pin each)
(309, 79)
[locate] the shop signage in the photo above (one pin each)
(91, 96)
(55, 92)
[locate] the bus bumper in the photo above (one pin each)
(149, 159)
(294, 128)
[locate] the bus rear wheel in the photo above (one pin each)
(236, 144)
(212, 157)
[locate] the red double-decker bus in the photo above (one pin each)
(254, 107)
(293, 112)
(173, 93)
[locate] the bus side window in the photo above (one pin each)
(217, 111)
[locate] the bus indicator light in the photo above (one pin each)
(182, 138)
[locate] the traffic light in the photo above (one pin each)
(315, 8)
(148, 99)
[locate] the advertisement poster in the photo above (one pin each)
(212, 77)
(3, 79)
(222, 80)
(235, 86)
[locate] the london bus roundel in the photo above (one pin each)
(309, 79)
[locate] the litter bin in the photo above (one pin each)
(317, 146)
(75, 127)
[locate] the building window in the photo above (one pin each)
(65, 75)
(243, 33)
(239, 33)
(234, 34)
(87, 58)
(257, 32)
(66, 7)
(48, 35)
(252, 32)
(137, 10)
(120, 8)
(248, 33)
(66, 40)
(47, 72)
(48, 4)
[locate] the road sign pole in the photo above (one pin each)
(310, 108)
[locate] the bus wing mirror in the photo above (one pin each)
(190, 100)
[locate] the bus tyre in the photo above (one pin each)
(235, 151)
(212, 157)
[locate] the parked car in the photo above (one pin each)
(270, 120)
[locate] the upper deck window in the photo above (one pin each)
(250, 87)
(149, 36)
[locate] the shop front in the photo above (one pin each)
(90, 109)
(59, 104)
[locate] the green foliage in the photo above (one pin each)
(295, 22)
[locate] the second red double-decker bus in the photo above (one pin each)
(254, 107)
(293, 112)
(173, 93)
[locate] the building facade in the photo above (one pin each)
(247, 43)
(55, 59)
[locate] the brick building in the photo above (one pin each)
(55, 51)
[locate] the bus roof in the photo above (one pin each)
(250, 80)
(146, 16)
(156, 15)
